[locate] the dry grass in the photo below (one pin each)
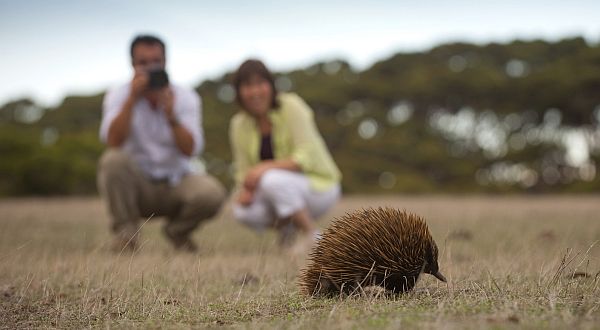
(509, 260)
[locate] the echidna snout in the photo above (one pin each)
(431, 264)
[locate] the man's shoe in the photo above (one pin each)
(186, 245)
(123, 245)
(182, 242)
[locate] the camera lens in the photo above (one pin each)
(158, 79)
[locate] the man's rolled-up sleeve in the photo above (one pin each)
(111, 106)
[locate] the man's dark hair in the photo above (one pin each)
(148, 40)
(248, 69)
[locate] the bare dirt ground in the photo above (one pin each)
(517, 261)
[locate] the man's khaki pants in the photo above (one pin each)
(131, 195)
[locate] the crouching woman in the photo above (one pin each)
(285, 176)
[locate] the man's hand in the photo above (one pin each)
(183, 138)
(165, 102)
(119, 128)
(139, 84)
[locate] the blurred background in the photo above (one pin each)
(411, 97)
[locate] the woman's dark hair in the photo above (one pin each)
(248, 69)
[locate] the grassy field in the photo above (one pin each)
(510, 263)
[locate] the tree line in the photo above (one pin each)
(459, 118)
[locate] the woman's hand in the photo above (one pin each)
(254, 174)
(245, 197)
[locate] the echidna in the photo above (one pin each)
(383, 246)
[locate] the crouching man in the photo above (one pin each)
(152, 129)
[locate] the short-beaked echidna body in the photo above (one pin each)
(383, 246)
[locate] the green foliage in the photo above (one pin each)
(29, 167)
(525, 78)
(75, 114)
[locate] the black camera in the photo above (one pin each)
(157, 79)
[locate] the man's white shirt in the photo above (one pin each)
(151, 142)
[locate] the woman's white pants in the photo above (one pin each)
(281, 193)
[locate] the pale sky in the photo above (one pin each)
(51, 49)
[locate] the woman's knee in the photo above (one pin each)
(275, 181)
